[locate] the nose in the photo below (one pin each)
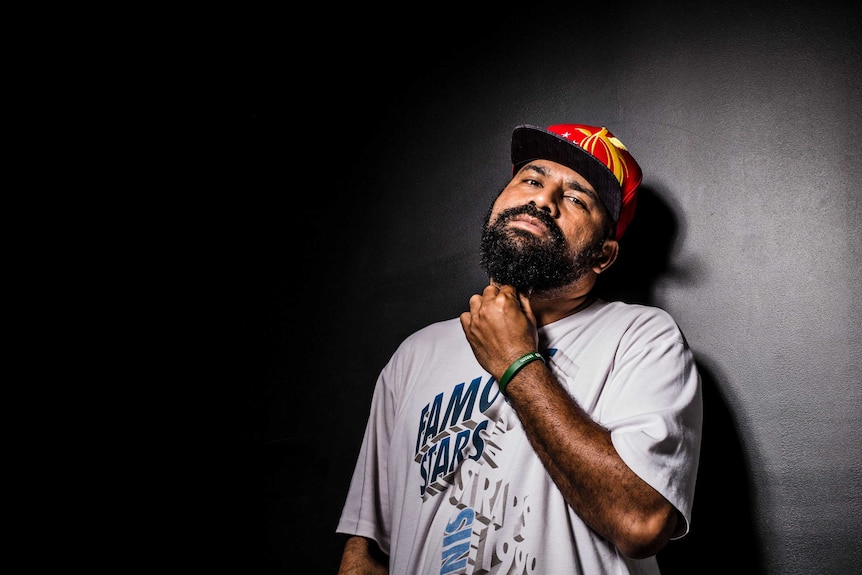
(546, 199)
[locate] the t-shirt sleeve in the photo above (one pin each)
(656, 415)
(366, 510)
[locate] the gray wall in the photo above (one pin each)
(367, 173)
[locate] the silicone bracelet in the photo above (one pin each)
(516, 367)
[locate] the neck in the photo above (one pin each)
(551, 305)
(551, 310)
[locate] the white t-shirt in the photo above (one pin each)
(447, 483)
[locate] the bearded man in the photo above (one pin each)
(545, 430)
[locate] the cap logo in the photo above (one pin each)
(605, 148)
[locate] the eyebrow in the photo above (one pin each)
(571, 184)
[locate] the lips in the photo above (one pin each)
(529, 223)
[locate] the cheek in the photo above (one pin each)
(573, 231)
(577, 237)
(581, 227)
(499, 206)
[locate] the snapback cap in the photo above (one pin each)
(595, 153)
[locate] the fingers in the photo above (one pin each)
(490, 291)
(499, 321)
(489, 296)
(466, 320)
(493, 291)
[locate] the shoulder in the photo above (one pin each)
(441, 330)
(439, 348)
(634, 319)
(623, 310)
(436, 336)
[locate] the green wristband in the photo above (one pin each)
(516, 367)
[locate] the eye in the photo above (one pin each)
(576, 200)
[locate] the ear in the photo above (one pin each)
(610, 249)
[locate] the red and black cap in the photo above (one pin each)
(595, 153)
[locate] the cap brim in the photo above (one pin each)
(535, 143)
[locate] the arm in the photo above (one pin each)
(576, 451)
(361, 556)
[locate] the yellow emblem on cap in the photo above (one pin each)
(611, 145)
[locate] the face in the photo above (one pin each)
(546, 230)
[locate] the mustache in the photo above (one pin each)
(531, 210)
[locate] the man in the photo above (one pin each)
(545, 430)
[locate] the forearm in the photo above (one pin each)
(362, 557)
(582, 461)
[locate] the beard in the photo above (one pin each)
(515, 257)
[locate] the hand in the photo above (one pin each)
(500, 327)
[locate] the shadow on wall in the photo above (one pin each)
(722, 528)
(723, 494)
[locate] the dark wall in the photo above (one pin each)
(366, 157)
